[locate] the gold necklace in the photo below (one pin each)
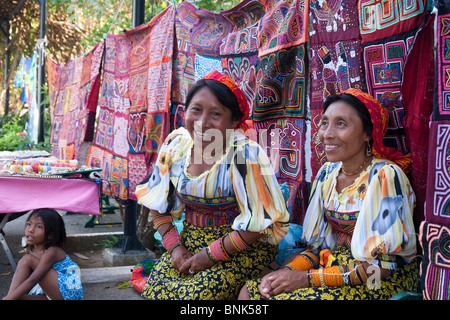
(354, 172)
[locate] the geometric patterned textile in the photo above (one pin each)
(442, 84)
(280, 110)
(112, 136)
(283, 140)
(417, 97)
(73, 91)
(435, 266)
(438, 184)
(335, 61)
(333, 21)
(384, 64)
(379, 19)
(239, 49)
(137, 171)
(281, 79)
(114, 171)
(150, 82)
(284, 24)
(114, 104)
(205, 38)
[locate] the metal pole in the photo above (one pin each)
(7, 61)
(41, 71)
(138, 12)
(131, 241)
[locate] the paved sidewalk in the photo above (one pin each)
(100, 282)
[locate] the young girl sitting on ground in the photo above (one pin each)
(46, 271)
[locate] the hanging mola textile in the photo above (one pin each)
(394, 46)
(150, 85)
(134, 104)
(335, 61)
(279, 113)
(206, 41)
(417, 97)
(73, 91)
(438, 179)
(26, 79)
(110, 150)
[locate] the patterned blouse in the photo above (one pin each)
(243, 174)
(373, 216)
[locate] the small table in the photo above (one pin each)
(20, 194)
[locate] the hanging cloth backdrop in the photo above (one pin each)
(134, 104)
(335, 61)
(434, 234)
(73, 91)
(150, 81)
(279, 114)
(438, 179)
(381, 19)
(417, 96)
(206, 41)
(435, 266)
(26, 79)
(110, 148)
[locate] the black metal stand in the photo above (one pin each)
(130, 240)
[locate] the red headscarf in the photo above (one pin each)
(240, 96)
(380, 118)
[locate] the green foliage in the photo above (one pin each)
(12, 137)
(115, 16)
(108, 243)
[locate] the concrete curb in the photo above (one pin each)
(107, 274)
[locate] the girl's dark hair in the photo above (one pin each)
(55, 230)
(222, 93)
(360, 108)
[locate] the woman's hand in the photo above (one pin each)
(179, 256)
(283, 280)
(198, 262)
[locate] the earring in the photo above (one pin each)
(368, 149)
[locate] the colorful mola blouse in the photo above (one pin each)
(373, 216)
(244, 173)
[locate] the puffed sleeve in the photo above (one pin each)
(385, 226)
(317, 232)
(258, 194)
(157, 192)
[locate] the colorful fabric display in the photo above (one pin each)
(442, 87)
(26, 79)
(435, 267)
(380, 19)
(150, 82)
(73, 92)
(417, 96)
(335, 62)
(438, 183)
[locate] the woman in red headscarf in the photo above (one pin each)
(223, 182)
(358, 231)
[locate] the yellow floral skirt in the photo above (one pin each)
(222, 281)
(405, 278)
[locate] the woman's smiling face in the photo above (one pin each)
(206, 119)
(342, 134)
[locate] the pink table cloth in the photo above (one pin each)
(19, 194)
